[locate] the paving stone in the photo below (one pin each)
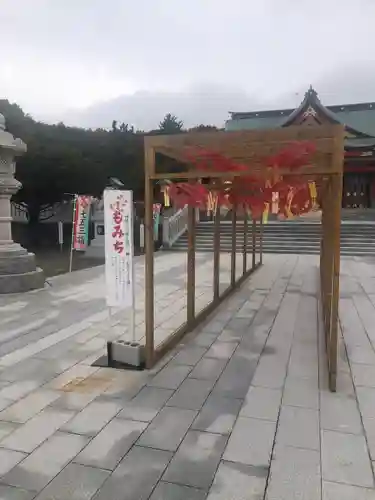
(189, 355)
(338, 413)
(345, 459)
(191, 394)
(36, 430)
(230, 336)
(152, 397)
(240, 324)
(5, 403)
(170, 377)
(10, 493)
(204, 339)
(77, 372)
(366, 401)
(217, 415)
(37, 470)
(295, 475)
(29, 406)
(361, 354)
(196, 460)
(298, 427)
(140, 471)
(301, 392)
(270, 373)
(251, 442)
(223, 314)
(169, 491)
(35, 368)
(111, 444)
(168, 429)
(9, 459)
(214, 326)
(127, 387)
(93, 418)
(236, 481)
(363, 375)
(74, 482)
(208, 369)
(6, 428)
(236, 378)
(222, 350)
(344, 384)
(262, 403)
(336, 491)
(253, 346)
(133, 411)
(74, 401)
(18, 390)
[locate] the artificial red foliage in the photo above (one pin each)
(183, 193)
(251, 191)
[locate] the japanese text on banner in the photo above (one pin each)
(81, 222)
(118, 220)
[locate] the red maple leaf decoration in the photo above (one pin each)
(251, 191)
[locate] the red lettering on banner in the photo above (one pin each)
(117, 232)
(119, 246)
(117, 216)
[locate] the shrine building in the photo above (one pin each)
(359, 122)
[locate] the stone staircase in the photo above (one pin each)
(299, 236)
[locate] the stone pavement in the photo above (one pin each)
(240, 411)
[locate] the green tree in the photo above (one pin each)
(170, 124)
(204, 128)
(63, 160)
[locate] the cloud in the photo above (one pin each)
(210, 104)
(150, 55)
(201, 104)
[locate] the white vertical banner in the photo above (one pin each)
(119, 248)
(60, 227)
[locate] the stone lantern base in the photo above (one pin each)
(18, 271)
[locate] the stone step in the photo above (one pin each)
(357, 238)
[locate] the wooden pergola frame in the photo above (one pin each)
(250, 148)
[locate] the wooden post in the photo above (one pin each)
(244, 250)
(254, 229)
(261, 241)
(334, 309)
(234, 247)
(328, 266)
(216, 253)
(191, 266)
(326, 285)
(149, 258)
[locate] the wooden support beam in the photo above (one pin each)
(149, 258)
(234, 247)
(216, 276)
(336, 230)
(307, 172)
(253, 234)
(245, 235)
(261, 240)
(191, 266)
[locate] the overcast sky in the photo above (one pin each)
(90, 61)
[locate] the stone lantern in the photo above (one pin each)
(18, 272)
